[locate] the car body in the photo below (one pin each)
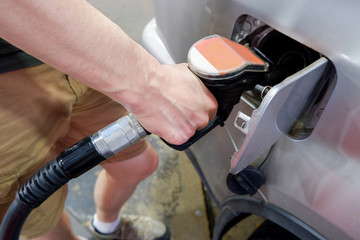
(313, 176)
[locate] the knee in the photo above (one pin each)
(147, 163)
(134, 169)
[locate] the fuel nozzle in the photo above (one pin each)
(227, 69)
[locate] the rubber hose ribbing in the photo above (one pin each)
(43, 184)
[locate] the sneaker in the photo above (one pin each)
(134, 228)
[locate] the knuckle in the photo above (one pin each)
(201, 119)
(180, 136)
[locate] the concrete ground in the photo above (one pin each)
(174, 193)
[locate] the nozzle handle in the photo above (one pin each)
(227, 69)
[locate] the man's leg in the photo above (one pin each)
(118, 181)
(114, 186)
(93, 111)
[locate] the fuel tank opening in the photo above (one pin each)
(286, 57)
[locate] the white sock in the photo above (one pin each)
(104, 227)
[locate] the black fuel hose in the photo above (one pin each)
(71, 163)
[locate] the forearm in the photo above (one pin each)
(77, 39)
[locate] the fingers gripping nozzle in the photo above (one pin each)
(227, 69)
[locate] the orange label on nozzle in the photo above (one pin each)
(219, 55)
(226, 56)
(244, 52)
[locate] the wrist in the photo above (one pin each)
(135, 79)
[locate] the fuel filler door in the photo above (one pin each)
(279, 110)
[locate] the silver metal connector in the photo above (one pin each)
(117, 136)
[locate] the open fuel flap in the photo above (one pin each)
(300, 82)
(278, 112)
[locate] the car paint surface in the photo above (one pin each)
(316, 179)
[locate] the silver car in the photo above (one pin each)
(289, 151)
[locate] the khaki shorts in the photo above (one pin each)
(42, 112)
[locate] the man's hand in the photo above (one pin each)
(172, 103)
(176, 105)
